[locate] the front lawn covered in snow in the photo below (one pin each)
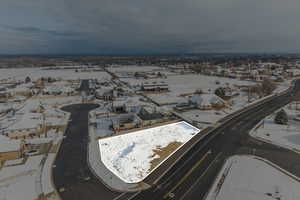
(252, 178)
(133, 156)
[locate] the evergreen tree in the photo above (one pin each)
(27, 79)
(220, 92)
(281, 118)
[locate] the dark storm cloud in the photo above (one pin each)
(156, 26)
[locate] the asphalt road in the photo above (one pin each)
(190, 178)
(71, 174)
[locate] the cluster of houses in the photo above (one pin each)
(30, 124)
(19, 91)
(127, 114)
(24, 118)
(256, 72)
(143, 117)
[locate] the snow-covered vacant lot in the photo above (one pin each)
(252, 178)
(287, 136)
(133, 156)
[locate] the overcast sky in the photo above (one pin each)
(148, 26)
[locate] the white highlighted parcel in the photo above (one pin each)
(133, 156)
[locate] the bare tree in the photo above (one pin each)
(267, 86)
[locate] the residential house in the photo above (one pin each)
(126, 122)
(155, 87)
(207, 101)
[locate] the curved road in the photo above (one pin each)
(71, 174)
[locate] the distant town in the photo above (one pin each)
(150, 127)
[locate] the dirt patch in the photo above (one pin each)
(163, 153)
(54, 148)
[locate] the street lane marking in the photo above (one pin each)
(187, 174)
(133, 195)
(196, 182)
(120, 196)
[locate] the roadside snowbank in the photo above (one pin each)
(252, 178)
(287, 136)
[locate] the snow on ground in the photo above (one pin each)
(98, 167)
(187, 83)
(204, 117)
(21, 188)
(283, 86)
(34, 177)
(283, 135)
(61, 101)
(46, 175)
(28, 121)
(133, 69)
(19, 182)
(31, 164)
(103, 126)
(24, 118)
(252, 178)
(36, 73)
(8, 145)
(129, 156)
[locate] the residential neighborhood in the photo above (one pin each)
(139, 121)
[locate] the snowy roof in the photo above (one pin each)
(119, 103)
(7, 145)
(4, 107)
(104, 90)
(28, 121)
(206, 99)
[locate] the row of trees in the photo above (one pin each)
(266, 87)
(48, 79)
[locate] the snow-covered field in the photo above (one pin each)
(187, 83)
(129, 156)
(36, 73)
(252, 178)
(287, 136)
(133, 68)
